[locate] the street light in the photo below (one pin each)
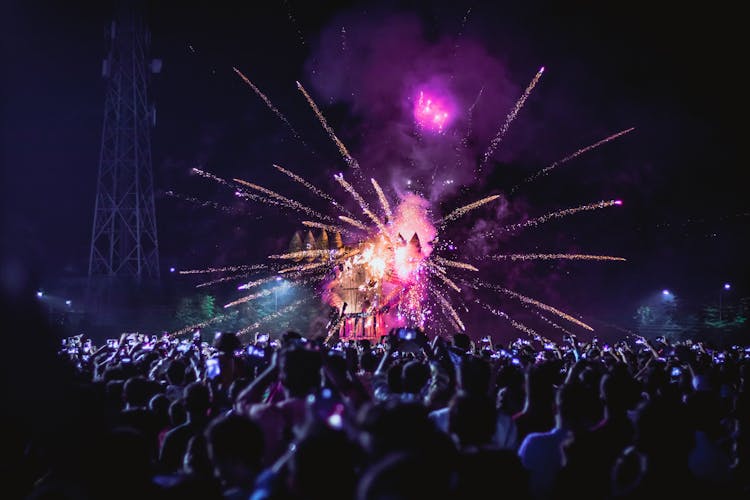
(726, 287)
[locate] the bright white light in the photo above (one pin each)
(727, 286)
(68, 302)
(279, 278)
(171, 269)
(40, 294)
(666, 293)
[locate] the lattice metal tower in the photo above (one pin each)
(124, 243)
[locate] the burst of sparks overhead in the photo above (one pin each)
(395, 244)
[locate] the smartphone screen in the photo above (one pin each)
(212, 368)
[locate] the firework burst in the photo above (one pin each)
(388, 271)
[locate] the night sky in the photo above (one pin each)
(671, 73)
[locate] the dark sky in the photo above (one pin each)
(671, 73)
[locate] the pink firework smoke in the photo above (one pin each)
(432, 111)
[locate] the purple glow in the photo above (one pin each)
(432, 111)
(727, 286)
(618, 202)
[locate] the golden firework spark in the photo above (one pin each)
(453, 263)
(270, 105)
(340, 145)
(312, 188)
(202, 324)
(354, 222)
(230, 269)
(556, 256)
(557, 215)
(460, 211)
(572, 156)
(383, 200)
(516, 324)
(293, 204)
(534, 302)
(270, 317)
(362, 203)
(511, 116)
(446, 306)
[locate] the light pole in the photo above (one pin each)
(727, 287)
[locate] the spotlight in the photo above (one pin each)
(68, 302)
(665, 292)
(727, 286)
(40, 294)
(171, 269)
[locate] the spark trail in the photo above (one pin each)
(328, 227)
(312, 188)
(362, 203)
(534, 302)
(354, 222)
(556, 215)
(572, 156)
(454, 263)
(303, 254)
(383, 200)
(443, 277)
(284, 310)
(205, 204)
(511, 116)
(446, 306)
(233, 277)
(270, 105)
(516, 324)
(202, 324)
(230, 269)
(555, 256)
(322, 119)
(293, 204)
(460, 211)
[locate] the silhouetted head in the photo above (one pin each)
(472, 419)
(300, 371)
(197, 399)
(414, 377)
(235, 447)
(137, 392)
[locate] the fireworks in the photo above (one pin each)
(534, 302)
(556, 256)
(270, 105)
(557, 215)
(287, 202)
(312, 188)
(431, 113)
(362, 203)
(511, 116)
(453, 263)
(576, 154)
(331, 134)
(459, 212)
(383, 200)
(516, 324)
(388, 273)
(230, 269)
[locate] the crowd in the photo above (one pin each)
(408, 417)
